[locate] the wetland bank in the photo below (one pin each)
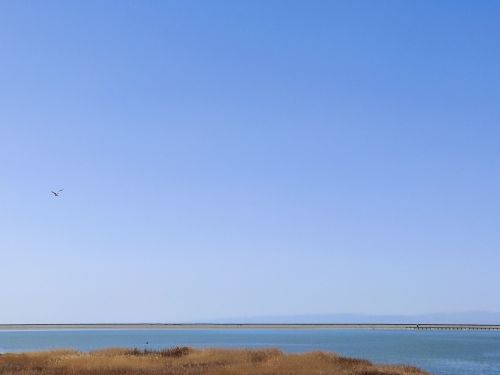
(188, 361)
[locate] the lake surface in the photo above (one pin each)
(439, 352)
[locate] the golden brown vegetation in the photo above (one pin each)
(186, 361)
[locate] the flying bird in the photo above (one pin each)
(56, 194)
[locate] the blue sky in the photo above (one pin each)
(226, 159)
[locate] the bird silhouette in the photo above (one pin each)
(56, 194)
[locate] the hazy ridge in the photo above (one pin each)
(471, 317)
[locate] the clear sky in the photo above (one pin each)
(242, 158)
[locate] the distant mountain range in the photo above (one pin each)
(471, 317)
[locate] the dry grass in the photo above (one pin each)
(186, 361)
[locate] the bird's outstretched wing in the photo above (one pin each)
(53, 192)
(60, 190)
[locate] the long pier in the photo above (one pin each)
(166, 326)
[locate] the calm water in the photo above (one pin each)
(439, 352)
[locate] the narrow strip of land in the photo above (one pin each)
(410, 326)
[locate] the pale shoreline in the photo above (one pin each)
(173, 326)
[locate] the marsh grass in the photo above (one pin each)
(187, 361)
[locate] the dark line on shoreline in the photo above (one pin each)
(414, 326)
